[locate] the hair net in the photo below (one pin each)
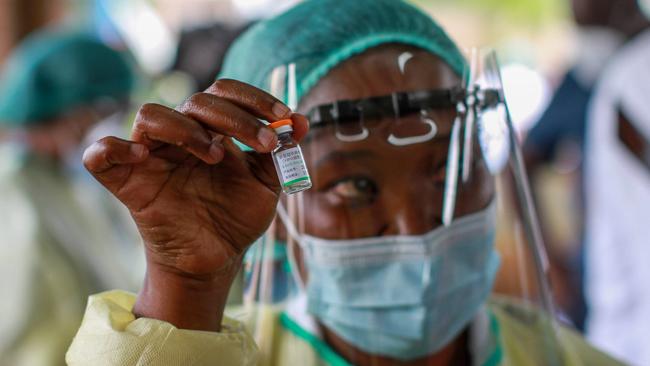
(53, 71)
(318, 35)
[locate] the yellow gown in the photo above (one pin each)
(111, 335)
(54, 253)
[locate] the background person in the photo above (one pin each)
(63, 237)
(618, 197)
(555, 146)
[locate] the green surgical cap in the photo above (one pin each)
(52, 72)
(317, 35)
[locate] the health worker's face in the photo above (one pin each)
(371, 187)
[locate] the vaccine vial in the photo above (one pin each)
(288, 160)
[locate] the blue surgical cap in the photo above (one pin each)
(317, 35)
(53, 71)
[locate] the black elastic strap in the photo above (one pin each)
(396, 104)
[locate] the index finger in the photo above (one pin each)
(254, 100)
(300, 126)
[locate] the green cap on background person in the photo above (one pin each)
(53, 71)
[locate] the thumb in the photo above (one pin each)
(110, 160)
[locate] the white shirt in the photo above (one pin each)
(618, 209)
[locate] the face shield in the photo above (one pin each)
(419, 222)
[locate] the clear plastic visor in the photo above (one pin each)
(418, 236)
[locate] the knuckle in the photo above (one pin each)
(95, 153)
(223, 85)
(146, 112)
(246, 126)
(197, 99)
(108, 142)
(183, 139)
(87, 158)
(193, 105)
(138, 126)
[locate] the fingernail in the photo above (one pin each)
(280, 110)
(266, 137)
(216, 151)
(138, 151)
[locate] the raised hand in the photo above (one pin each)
(197, 199)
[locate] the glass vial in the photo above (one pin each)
(288, 160)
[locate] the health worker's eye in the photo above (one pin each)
(355, 190)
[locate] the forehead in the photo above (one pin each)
(381, 71)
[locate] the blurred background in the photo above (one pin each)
(535, 38)
(551, 51)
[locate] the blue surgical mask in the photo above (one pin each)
(404, 297)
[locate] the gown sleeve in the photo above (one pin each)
(111, 335)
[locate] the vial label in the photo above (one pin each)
(291, 166)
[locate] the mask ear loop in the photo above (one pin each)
(292, 240)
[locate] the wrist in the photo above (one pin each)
(185, 302)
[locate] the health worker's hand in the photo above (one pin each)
(197, 199)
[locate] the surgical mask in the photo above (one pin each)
(404, 297)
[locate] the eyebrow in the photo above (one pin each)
(343, 155)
